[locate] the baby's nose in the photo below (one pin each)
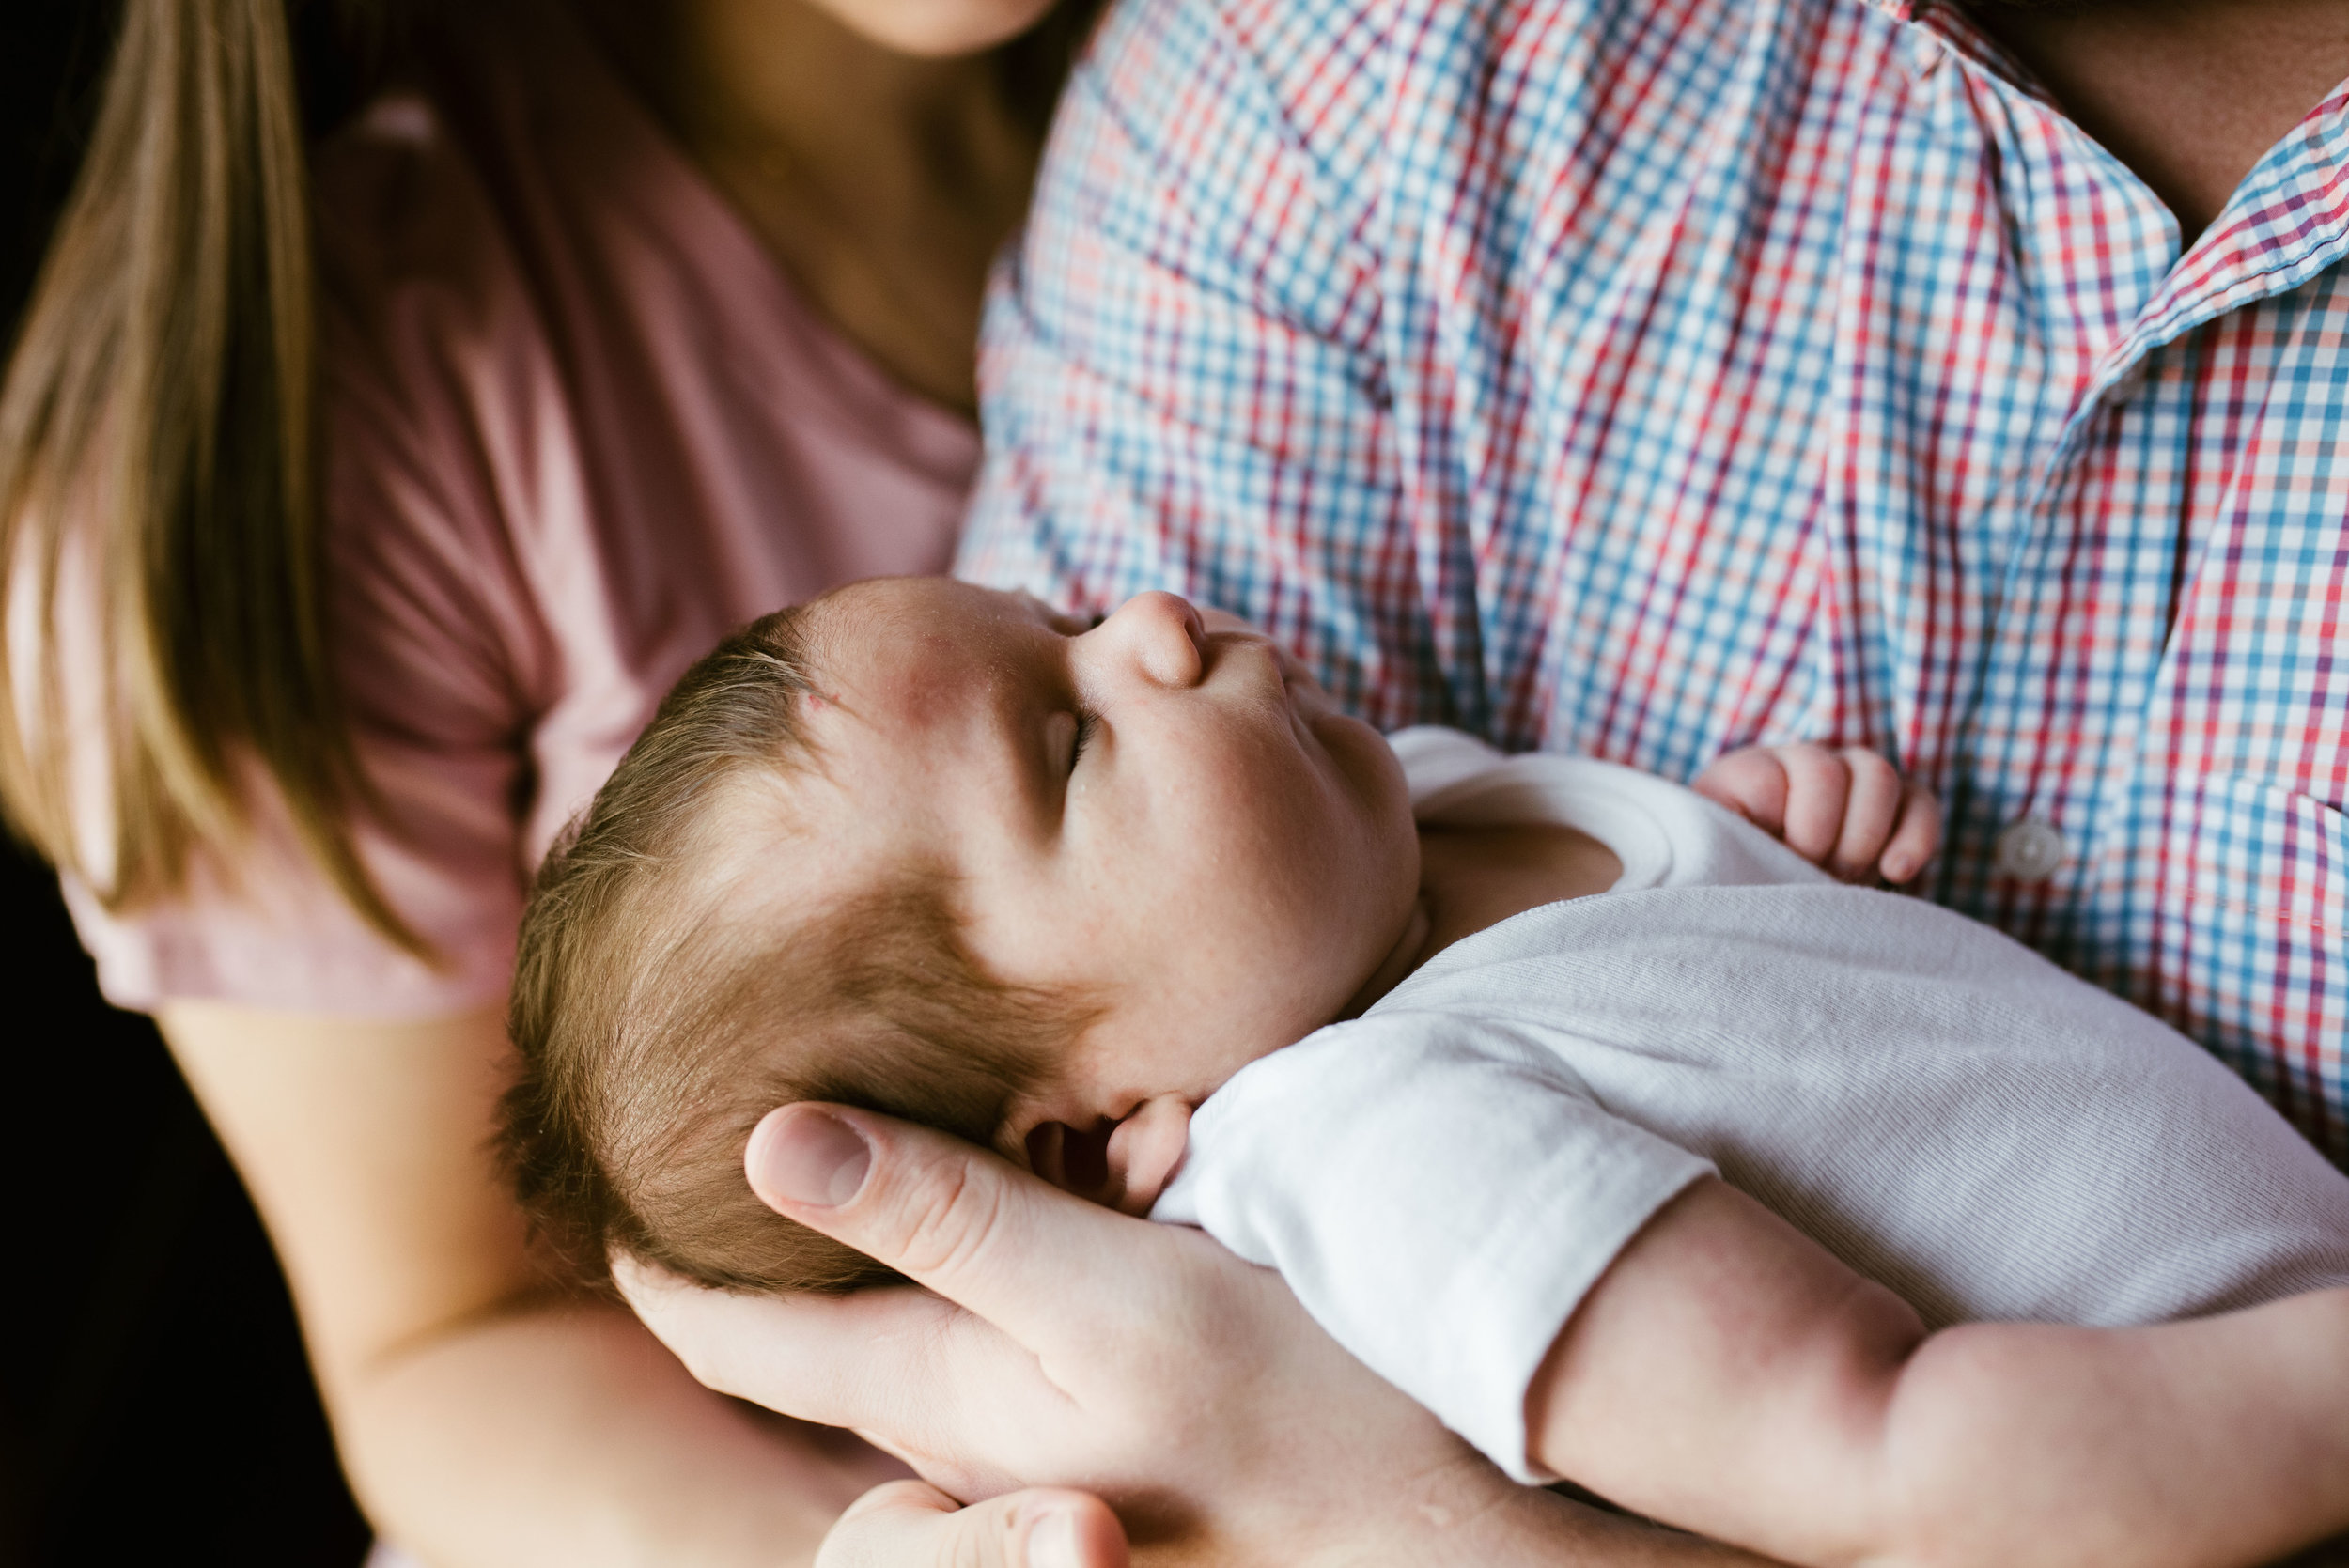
(1162, 633)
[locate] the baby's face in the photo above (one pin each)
(1163, 809)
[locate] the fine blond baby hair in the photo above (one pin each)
(668, 993)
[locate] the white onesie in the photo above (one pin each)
(1443, 1179)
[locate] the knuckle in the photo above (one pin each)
(1867, 764)
(699, 1367)
(721, 1378)
(705, 1360)
(872, 1532)
(947, 1214)
(979, 1538)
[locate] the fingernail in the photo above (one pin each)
(807, 1157)
(1053, 1541)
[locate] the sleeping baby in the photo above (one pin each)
(1638, 1147)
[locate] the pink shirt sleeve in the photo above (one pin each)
(580, 426)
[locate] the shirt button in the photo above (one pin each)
(2029, 850)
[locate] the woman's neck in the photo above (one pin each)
(1474, 878)
(884, 183)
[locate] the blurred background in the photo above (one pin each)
(154, 1406)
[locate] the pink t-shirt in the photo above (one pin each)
(580, 427)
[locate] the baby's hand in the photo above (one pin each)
(1846, 809)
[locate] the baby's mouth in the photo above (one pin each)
(1304, 692)
(1299, 692)
(1287, 663)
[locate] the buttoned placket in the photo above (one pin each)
(2024, 813)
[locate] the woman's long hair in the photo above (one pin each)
(160, 450)
(159, 443)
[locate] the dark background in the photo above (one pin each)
(154, 1404)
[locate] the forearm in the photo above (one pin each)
(2201, 1445)
(1468, 1515)
(479, 1423)
(568, 1436)
(1529, 1527)
(1729, 1375)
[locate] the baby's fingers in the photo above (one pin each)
(1750, 782)
(1818, 788)
(1917, 837)
(1871, 808)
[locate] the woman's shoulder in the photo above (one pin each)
(426, 198)
(512, 240)
(577, 425)
(397, 203)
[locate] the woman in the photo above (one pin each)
(357, 509)
(332, 666)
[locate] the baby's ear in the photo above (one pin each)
(1144, 1151)
(1121, 1164)
(1071, 1160)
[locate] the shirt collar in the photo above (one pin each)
(2287, 221)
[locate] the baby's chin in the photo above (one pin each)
(1317, 709)
(1369, 760)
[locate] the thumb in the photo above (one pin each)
(949, 1216)
(907, 1524)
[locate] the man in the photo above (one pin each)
(1644, 380)
(1640, 377)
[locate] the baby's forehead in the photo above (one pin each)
(880, 614)
(907, 654)
(776, 841)
(924, 699)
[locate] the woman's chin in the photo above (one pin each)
(940, 29)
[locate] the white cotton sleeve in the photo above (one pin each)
(1439, 1195)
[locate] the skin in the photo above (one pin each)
(869, 144)
(1731, 1375)
(2188, 93)
(1844, 808)
(1162, 812)
(1093, 790)
(1022, 1388)
(485, 1420)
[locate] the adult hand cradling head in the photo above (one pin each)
(1176, 1383)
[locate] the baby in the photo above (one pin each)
(1472, 1082)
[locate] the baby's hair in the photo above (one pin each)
(672, 989)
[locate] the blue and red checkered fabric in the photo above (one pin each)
(1643, 377)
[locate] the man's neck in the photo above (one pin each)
(2189, 94)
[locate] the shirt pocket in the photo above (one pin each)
(2246, 849)
(2237, 932)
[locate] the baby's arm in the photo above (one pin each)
(1730, 1375)
(1845, 809)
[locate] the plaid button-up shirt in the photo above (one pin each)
(1643, 377)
